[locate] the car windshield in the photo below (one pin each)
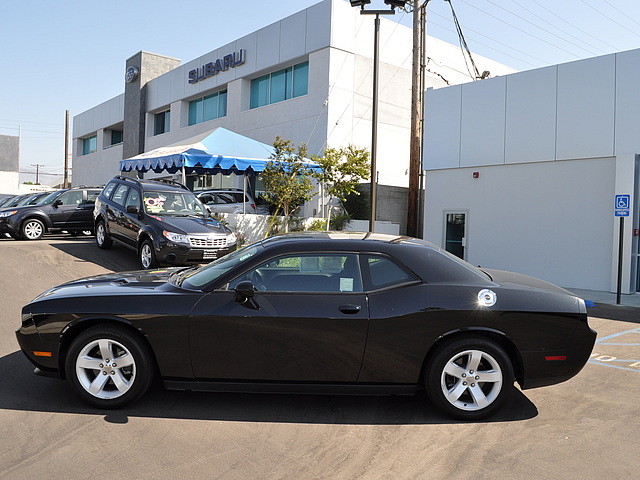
(25, 201)
(202, 276)
(47, 198)
(35, 199)
(173, 203)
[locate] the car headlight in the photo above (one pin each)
(8, 214)
(175, 237)
(231, 238)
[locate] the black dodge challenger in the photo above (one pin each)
(320, 313)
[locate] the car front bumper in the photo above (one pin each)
(170, 253)
(8, 226)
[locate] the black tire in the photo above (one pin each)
(16, 236)
(32, 229)
(458, 357)
(147, 255)
(74, 233)
(136, 377)
(103, 240)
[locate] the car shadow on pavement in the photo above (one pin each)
(615, 312)
(20, 389)
(117, 259)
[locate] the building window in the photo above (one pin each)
(208, 108)
(161, 122)
(89, 144)
(282, 85)
(116, 137)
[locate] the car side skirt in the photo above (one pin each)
(291, 388)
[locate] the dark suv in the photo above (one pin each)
(160, 219)
(69, 209)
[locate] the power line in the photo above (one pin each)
(574, 26)
(490, 47)
(475, 75)
(609, 18)
(493, 40)
(621, 12)
(600, 50)
(539, 27)
(520, 29)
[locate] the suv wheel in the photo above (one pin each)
(147, 255)
(102, 237)
(32, 229)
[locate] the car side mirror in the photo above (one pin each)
(244, 290)
(57, 203)
(132, 209)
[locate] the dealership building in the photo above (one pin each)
(307, 78)
(523, 171)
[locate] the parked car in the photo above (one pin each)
(62, 210)
(20, 200)
(227, 200)
(161, 220)
(312, 313)
(6, 199)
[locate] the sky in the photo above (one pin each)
(70, 54)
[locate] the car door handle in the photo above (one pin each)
(350, 309)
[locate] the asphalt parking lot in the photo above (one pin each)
(585, 428)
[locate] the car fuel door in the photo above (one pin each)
(315, 334)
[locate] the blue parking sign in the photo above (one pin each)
(622, 204)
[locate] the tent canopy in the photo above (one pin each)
(217, 151)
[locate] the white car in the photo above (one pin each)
(228, 200)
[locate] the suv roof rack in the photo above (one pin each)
(152, 180)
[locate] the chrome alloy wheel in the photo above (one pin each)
(33, 230)
(105, 369)
(100, 234)
(146, 256)
(471, 380)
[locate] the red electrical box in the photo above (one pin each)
(476, 174)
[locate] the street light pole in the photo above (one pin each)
(374, 125)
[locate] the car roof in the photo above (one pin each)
(344, 239)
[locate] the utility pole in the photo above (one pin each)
(65, 183)
(417, 94)
(37, 165)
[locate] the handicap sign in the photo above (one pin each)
(621, 205)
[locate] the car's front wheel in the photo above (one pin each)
(469, 378)
(102, 237)
(109, 367)
(147, 255)
(32, 229)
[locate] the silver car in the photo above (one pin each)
(227, 200)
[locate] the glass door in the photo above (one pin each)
(455, 229)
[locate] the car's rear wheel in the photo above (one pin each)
(102, 237)
(109, 366)
(32, 229)
(469, 378)
(147, 255)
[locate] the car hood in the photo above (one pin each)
(192, 225)
(122, 283)
(519, 281)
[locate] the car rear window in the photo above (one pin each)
(384, 272)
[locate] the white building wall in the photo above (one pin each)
(549, 220)
(9, 182)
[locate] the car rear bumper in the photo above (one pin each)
(547, 367)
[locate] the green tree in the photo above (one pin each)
(342, 170)
(287, 180)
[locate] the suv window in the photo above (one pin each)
(133, 200)
(92, 195)
(120, 194)
(324, 272)
(73, 197)
(108, 190)
(384, 272)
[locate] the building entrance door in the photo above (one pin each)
(455, 233)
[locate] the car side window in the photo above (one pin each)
(133, 199)
(382, 272)
(71, 198)
(92, 195)
(323, 272)
(108, 190)
(120, 194)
